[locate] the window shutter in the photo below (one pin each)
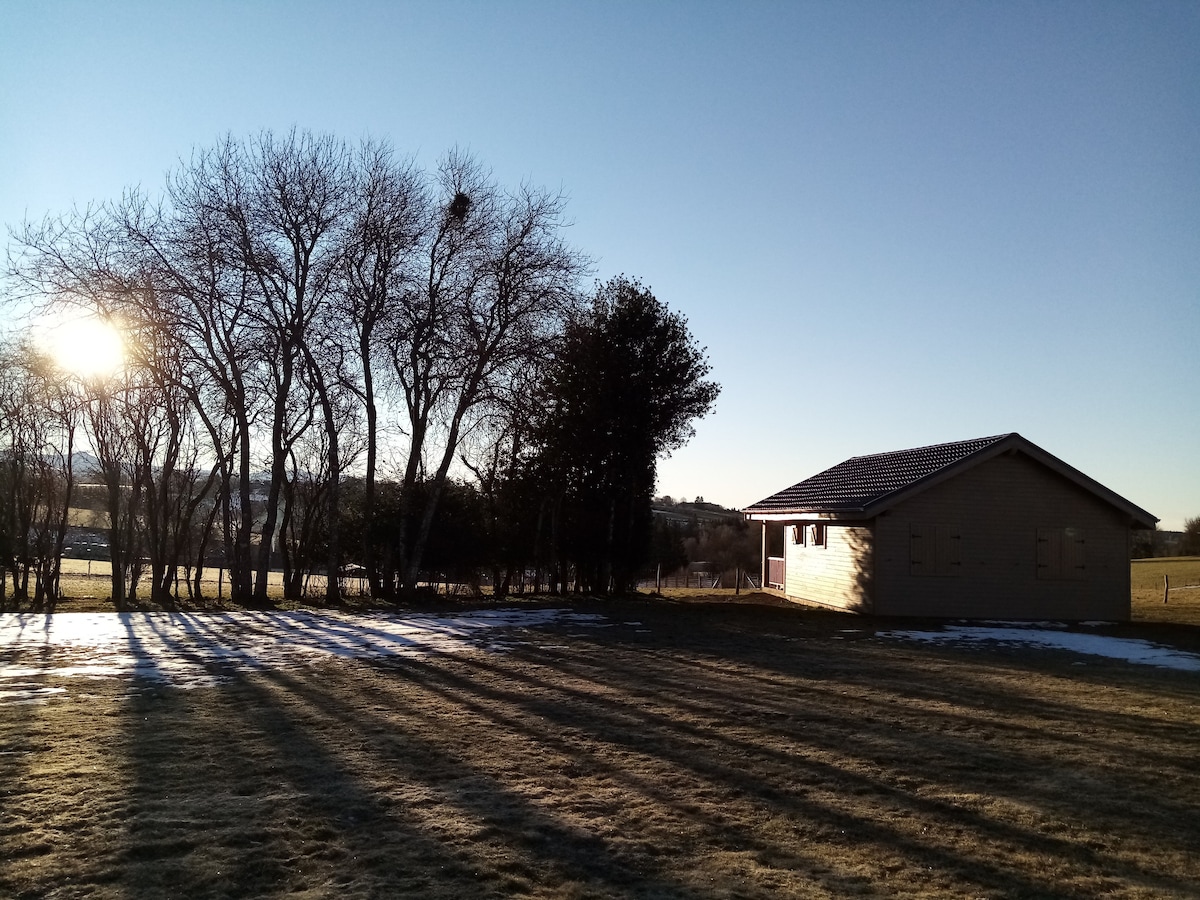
(1049, 552)
(918, 550)
(818, 535)
(1074, 559)
(947, 559)
(934, 550)
(1061, 553)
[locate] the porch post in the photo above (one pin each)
(763, 565)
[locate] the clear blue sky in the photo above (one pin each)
(891, 224)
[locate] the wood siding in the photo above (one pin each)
(1030, 545)
(837, 573)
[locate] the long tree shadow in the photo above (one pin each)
(500, 839)
(866, 734)
(645, 759)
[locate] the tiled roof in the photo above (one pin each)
(862, 481)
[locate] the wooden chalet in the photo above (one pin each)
(991, 528)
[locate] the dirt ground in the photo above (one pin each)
(685, 750)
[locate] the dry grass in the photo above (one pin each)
(1183, 599)
(86, 589)
(692, 750)
(87, 586)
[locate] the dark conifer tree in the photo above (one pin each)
(623, 390)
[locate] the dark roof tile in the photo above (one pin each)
(862, 481)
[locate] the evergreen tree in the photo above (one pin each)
(623, 390)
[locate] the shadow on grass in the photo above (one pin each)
(711, 752)
(639, 761)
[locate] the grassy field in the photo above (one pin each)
(705, 745)
(1183, 599)
(689, 750)
(86, 587)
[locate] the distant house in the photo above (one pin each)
(989, 528)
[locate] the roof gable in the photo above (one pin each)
(864, 486)
(861, 481)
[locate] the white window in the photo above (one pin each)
(809, 535)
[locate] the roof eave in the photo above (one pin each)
(810, 515)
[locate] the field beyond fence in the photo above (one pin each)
(1147, 584)
(86, 585)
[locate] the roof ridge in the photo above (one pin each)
(987, 441)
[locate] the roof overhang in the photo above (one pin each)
(856, 515)
(1012, 443)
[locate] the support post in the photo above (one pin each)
(762, 562)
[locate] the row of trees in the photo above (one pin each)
(320, 317)
(1149, 544)
(1191, 537)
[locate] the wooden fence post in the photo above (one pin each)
(1166, 586)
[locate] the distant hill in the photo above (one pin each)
(84, 464)
(666, 509)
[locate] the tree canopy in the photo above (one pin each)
(302, 315)
(623, 389)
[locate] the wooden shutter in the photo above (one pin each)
(919, 550)
(934, 550)
(1060, 553)
(1073, 556)
(947, 550)
(1049, 553)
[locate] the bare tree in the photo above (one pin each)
(39, 413)
(123, 467)
(379, 276)
(498, 281)
(167, 435)
(278, 277)
(158, 269)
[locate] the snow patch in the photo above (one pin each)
(1049, 636)
(194, 649)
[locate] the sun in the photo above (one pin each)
(87, 346)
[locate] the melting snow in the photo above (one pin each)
(192, 649)
(1051, 636)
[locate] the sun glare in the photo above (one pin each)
(88, 347)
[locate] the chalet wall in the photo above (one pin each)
(989, 562)
(837, 574)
